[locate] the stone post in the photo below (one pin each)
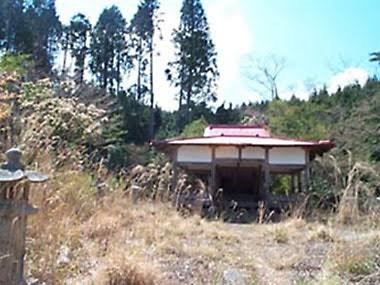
(14, 210)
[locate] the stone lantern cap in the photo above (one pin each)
(13, 169)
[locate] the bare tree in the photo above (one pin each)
(340, 64)
(264, 73)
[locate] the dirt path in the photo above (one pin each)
(299, 258)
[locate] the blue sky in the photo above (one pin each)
(323, 42)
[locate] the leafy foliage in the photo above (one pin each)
(18, 63)
(195, 128)
(30, 27)
(297, 120)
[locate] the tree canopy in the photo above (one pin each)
(194, 70)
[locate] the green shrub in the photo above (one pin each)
(195, 128)
(18, 63)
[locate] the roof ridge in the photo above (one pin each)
(238, 126)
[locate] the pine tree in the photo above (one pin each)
(144, 25)
(80, 29)
(194, 71)
(108, 49)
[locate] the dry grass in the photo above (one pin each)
(119, 270)
(280, 234)
(323, 233)
(356, 259)
(287, 262)
(77, 237)
(286, 230)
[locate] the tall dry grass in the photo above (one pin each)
(356, 259)
(78, 236)
(354, 186)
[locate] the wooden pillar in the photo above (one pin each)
(307, 169)
(292, 182)
(237, 168)
(299, 182)
(266, 175)
(175, 170)
(175, 176)
(213, 171)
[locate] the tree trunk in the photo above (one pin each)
(139, 72)
(151, 122)
(105, 64)
(8, 35)
(181, 90)
(180, 99)
(81, 66)
(189, 97)
(64, 61)
(118, 77)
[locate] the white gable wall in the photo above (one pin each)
(227, 152)
(253, 153)
(286, 155)
(193, 153)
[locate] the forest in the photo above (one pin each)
(89, 127)
(32, 37)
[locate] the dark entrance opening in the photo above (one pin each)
(240, 184)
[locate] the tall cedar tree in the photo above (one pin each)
(194, 70)
(30, 27)
(144, 25)
(46, 30)
(14, 32)
(79, 31)
(108, 49)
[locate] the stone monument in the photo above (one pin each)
(15, 184)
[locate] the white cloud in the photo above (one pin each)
(299, 90)
(350, 76)
(232, 37)
(164, 92)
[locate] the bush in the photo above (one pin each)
(18, 63)
(280, 235)
(195, 128)
(123, 272)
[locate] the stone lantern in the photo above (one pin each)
(15, 184)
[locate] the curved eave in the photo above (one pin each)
(315, 147)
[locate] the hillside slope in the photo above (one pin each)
(350, 117)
